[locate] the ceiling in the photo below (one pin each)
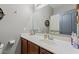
(55, 5)
(51, 5)
(38, 6)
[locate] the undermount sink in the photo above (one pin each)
(49, 41)
(39, 37)
(42, 36)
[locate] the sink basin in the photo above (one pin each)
(38, 37)
(42, 37)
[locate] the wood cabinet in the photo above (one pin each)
(32, 48)
(28, 47)
(44, 51)
(24, 46)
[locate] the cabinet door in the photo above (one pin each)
(43, 51)
(33, 48)
(24, 47)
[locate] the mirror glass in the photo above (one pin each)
(63, 23)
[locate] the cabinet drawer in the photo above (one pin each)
(33, 48)
(28, 47)
(24, 46)
(44, 51)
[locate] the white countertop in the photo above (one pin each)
(54, 46)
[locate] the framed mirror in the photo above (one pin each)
(64, 23)
(1, 14)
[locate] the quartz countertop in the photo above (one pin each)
(55, 46)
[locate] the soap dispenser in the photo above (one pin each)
(72, 38)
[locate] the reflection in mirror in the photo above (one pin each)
(54, 24)
(64, 23)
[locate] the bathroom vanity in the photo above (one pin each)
(28, 47)
(34, 44)
(61, 27)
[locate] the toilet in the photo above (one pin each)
(1, 48)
